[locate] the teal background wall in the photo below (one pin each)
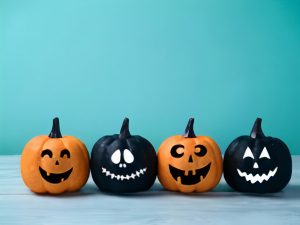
(158, 62)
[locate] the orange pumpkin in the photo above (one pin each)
(54, 164)
(189, 163)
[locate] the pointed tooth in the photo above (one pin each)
(133, 176)
(141, 171)
(118, 177)
(103, 170)
(112, 175)
(122, 177)
(107, 173)
(138, 173)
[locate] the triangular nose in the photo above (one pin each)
(255, 166)
(191, 159)
(57, 163)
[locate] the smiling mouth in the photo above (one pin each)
(257, 177)
(191, 177)
(133, 176)
(55, 178)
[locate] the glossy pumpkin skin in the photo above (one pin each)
(256, 163)
(123, 163)
(189, 163)
(54, 164)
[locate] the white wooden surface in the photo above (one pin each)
(89, 206)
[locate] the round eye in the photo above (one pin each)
(64, 153)
(46, 152)
(177, 151)
(128, 157)
(200, 150)
(116, 157)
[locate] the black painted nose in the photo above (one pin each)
(57, 163)
(191, 159)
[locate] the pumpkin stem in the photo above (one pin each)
(256, 130)
(189, 130)
(55, 132)
(124, 132)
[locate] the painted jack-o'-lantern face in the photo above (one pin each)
(257, 163)
(188, 163)
(54, 164)
(123, 162)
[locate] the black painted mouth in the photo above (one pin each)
(55, 178)
(190, 179)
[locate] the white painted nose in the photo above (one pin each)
(255, 166)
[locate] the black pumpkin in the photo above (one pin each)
(123, 162)
(256, 163)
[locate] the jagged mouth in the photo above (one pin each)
(257, 177)
(189, 177)
(132, 176)
(55, 178)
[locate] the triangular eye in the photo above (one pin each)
(248, 153)
(264, 153)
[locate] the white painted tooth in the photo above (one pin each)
(122, 177)
(107, 173)
(138, 173)
(112, 175)
(141, 171)
(103, 170)
(145, 169)
(133, 176)
(118, 177)
(257, 177)
(127, 177)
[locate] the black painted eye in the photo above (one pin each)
(46, 152)
(65, 152)
(175, 151)
(200, 150)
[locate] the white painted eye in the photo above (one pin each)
(128, 157)
(248, 153)
(116, 156)
(264, 153)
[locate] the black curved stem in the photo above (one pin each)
(124, 132)
(256, 130)
(189, 130)
(55, 132)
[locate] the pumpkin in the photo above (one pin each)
(54, 164)
(123, 162)
(257, 163)
(189, 163)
